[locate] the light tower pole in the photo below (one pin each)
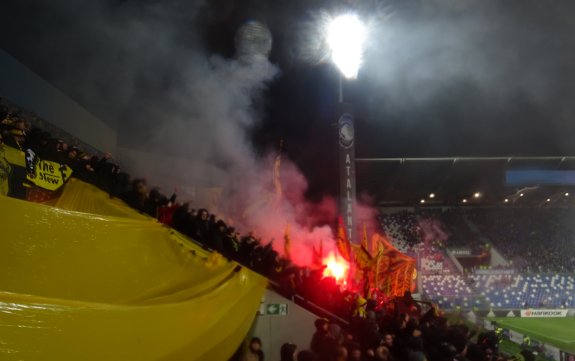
(345, 36)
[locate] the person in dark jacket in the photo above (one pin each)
(217, 235)
(287, 352)
(201, 230)
(138, 198)
(319, 336)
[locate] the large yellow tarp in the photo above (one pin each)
(85, 286)
(82, 197)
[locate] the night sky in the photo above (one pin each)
(440, 78)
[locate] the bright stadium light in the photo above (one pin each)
(346, 36)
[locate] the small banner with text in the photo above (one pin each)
(44, 173)
(543, 313)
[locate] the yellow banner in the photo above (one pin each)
(5, 170)
(14, 156)
(138, 291)
(49, 175)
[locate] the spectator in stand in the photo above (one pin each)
(121, 185)
(60, 155)
(183, 220)
(332, 343)
(138, 198)
(247, 249)
(85, 168)
(72, 156)
(40, 142)
(254, 351)
(201, 226)
(157, 199)
(16, 138)
(231, 244)
(320, 335)
(355, 353)
(415, 350)
(370, 337)
(107, 173)
(5, 170)
(288, 352)
(217, 235)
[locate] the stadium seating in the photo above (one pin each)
(401, 229)
(520, 291)
(447, 290)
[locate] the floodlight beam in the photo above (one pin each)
(346, 36)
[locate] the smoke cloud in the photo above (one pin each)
(463, 77)
(183, 115)
(478, 71)
(440, 77)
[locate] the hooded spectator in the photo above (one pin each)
(201, 228)
(288, 352)
(319, 336)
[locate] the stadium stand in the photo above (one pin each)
(523, 291)
(196, 281)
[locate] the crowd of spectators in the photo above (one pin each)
(17, 131)
(201, 226)
(533, 239)
(401, 228)
(394, 331)
(402, 330)
(460, 233)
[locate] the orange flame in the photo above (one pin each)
(336, 268)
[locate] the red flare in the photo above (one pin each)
(336, 268)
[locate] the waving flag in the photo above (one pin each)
(342, 243)
(287, 243)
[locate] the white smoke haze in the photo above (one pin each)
(504, 49)
(184, 115)
(145, 69)
(468, 66)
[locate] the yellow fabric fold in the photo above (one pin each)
(100, 286)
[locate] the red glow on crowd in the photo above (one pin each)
(336, 268)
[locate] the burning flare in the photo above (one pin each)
(336, 268)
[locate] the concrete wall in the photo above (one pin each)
(26, 89)
(275, 330)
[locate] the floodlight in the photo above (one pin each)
(422, 201)
(431, 195)
(477, 195)
(346, 36)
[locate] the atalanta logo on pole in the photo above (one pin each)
(346, 133)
